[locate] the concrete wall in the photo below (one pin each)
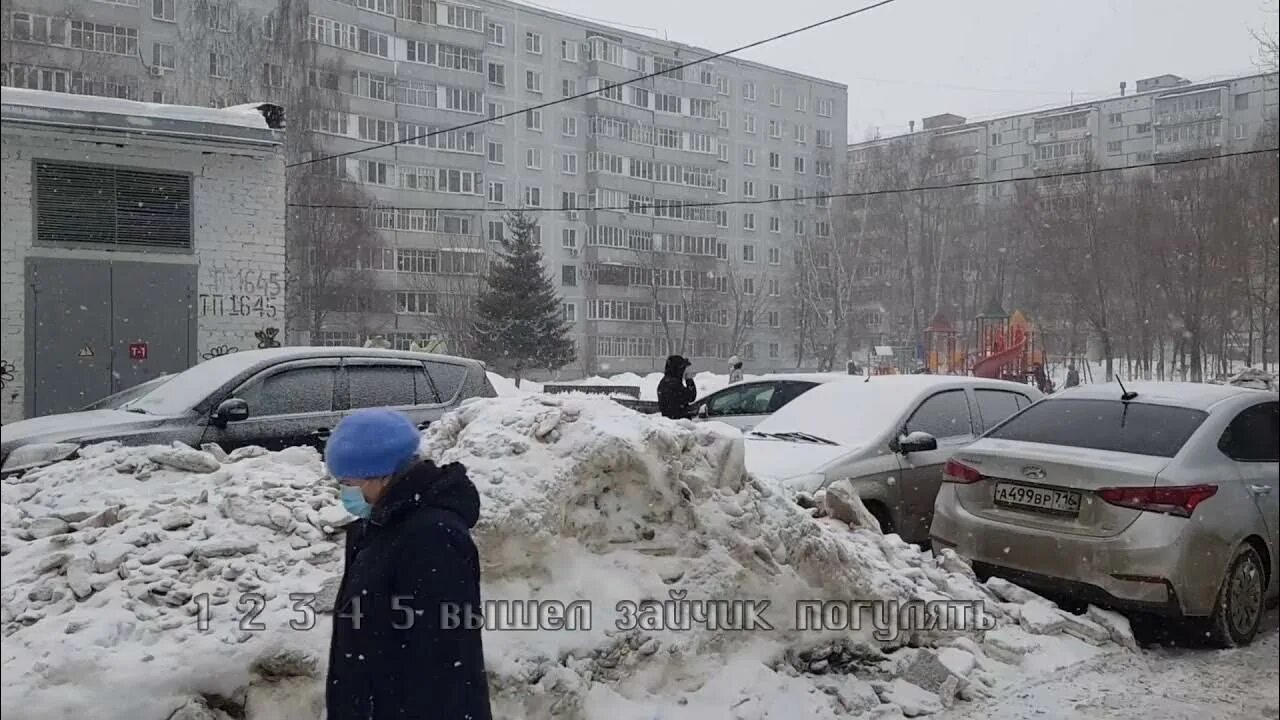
(238, 236)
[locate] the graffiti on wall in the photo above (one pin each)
(242, 292)
(218, 351)
(267, 337)
(7, 370)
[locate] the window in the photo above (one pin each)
(569, 126)
(533, 43)
(569, 312)
(163, 10)
(497, 33)
(1239, 131)
(749, 90)
(775, 129)
(464, 18)
(111, 206)
(376, 173)
(467, 101)
(290, 392)
(533, 158)
(1115, 119)
(495, 112)
(748, 156)
(822, 138)
(494, 152)
(415, 303)
(665, 102)
(569, 163)
(800, 165)
(272, 75)
(377, 87)
(825, 107)
(995, 406)
(386, 385)
(722, 218)
(113, 39)
(1144, 128)
(497, 192)
(748, 188)
(1132, 427)
(1113, 146)
(569, 275)
(749, 123)
(775, 161)
(376, 130)
(775, 191)
(1241, 101)
(802, 102)
(568, 51)
(373, 43)
(1254, 434)
(775, 225)
(798, 226)
(219, 65)
(533, 81)
(722, 85)
(162, 55)
(220, 16)
(748, 221)
(775, 256)
(748, 253)
(497, 74)
(532, 196)
(800, 133)
(722, 119)
(944, 415)
(533, 120)
(569, 238)
(568, 87)
(722, 151)
(774, 291)
(494, 231)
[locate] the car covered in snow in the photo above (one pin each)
(887, 435)
(273, 398)
(1157, 497)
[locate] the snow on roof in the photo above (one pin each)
(247, 116)
(1200, 396)
(1193, 91)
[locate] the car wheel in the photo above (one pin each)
(1237, 613)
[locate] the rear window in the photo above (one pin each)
(1134, 427)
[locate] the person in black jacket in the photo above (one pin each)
(676, 389)
(411, 569)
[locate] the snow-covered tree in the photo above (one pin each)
(521, 324)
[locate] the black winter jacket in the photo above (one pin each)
(674, 391)
(391, 654)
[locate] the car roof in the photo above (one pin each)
(815, 377)
(254, 358)
(1199, 396)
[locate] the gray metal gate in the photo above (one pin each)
(95, 327)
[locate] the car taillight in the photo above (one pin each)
(957, 472)
(1180, 500)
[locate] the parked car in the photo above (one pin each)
(744, 404)
(888, 435)
(1162, 498)
(127, 395)
(273, 398)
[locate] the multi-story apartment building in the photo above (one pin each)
(1166, 119)
(622, 182)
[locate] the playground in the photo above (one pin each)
(1006, 347)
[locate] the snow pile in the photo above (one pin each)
(107, 559)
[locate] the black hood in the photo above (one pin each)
(676, 365)
(424, 484)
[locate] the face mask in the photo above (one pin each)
(353, 500)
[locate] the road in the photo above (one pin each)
(1169, 683)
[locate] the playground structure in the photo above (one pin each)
(1008, 347)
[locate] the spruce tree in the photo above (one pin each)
(521, 325)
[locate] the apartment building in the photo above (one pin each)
(1167, 118)
(620, 180)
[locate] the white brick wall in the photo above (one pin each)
(239, 209)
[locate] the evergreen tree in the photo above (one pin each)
(521, 325)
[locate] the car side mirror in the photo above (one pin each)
(916, 442)
(229, 411)
(702, 411)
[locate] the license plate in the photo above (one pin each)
(1028, 497)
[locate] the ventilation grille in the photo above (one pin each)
(112, 206)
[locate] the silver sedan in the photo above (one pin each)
(1158, 497)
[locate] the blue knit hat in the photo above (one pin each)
(371, 443)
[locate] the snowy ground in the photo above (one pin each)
(1165, 683)
(108, 559)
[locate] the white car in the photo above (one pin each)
(889, 436)
(744, 404)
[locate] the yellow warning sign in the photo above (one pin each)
(86, 351)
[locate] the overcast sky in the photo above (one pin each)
(975, 58)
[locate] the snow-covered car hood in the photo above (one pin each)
(70, 427)
(783, 459)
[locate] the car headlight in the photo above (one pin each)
(809, 483)
(35, 455)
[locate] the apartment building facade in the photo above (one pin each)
(1168, 118)
(623, 182)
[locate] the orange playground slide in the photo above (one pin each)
(990, 366)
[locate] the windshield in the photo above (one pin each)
(184, 391)
(1128, 427)
(123, 397)
(850, 413)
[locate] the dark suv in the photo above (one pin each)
(273, 398)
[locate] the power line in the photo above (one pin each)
(599, 90)
(769, 201)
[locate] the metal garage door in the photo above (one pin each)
(96, 327)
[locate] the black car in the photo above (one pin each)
(273, 398)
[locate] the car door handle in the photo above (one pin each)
(1260, 489)
(322, 434)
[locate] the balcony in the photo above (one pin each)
(1182, 117)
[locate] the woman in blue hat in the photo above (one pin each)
(411, 569)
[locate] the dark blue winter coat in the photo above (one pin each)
(413, 556)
